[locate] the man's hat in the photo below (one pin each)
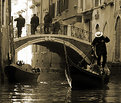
(98, 34)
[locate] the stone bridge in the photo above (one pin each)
(80, 47)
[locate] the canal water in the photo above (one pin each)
(52, 87)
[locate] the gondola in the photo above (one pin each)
(87, 78)
(84, 76)
(21, 73)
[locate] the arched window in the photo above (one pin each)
(97, 27)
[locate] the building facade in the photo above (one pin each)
(5, 35)
(40, 7)
(106, 14)
(86, 15)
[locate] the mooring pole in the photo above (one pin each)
(67, 71)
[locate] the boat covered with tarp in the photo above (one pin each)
(20, 72)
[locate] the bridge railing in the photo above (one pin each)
(81, 33)
(68, 30)
(52, 29)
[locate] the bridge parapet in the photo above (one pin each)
(68, 30)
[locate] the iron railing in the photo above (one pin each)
(81, 33)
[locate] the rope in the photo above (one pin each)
(86, 56)
(68, 58)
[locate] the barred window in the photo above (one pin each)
(96, 2)
(62, 5)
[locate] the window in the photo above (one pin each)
(81, 4)
(62, 5)
(3, 13)
(52, 10)
(59, 7)
(66, 2)
(96, 3)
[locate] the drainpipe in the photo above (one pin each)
(90, 33)
(41, 17)
(0, 41)
(1, 60)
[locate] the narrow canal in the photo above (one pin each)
(52, 87)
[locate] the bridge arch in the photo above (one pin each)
(56, 40)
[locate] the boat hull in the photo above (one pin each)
(16, 74)
(81, 78)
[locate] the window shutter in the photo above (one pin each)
(66, 2)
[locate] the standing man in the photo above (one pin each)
(56, 27)
(47, 23)
(34, 23)
(20, 23)
(99, 43)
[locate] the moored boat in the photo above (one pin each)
(21, 73)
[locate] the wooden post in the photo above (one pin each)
(10, 33)
(1, 67)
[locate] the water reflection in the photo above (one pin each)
(52, 87)
(25, 55)
(55, 90)
(41, 93)
(54, 93)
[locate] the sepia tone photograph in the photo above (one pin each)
(60, 51)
